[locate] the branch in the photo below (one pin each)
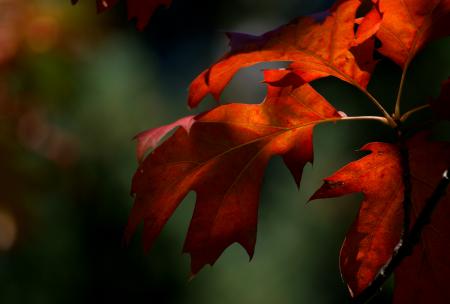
(406, 244)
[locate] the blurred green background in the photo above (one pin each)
(75, 87)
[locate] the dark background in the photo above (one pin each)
(76, 87)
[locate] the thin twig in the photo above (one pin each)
(405, 246)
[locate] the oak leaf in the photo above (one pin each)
(222, 159)
(318, 46)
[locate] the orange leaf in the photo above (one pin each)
(223, 159)
(408, 25)
(316, 48)
(142, 10)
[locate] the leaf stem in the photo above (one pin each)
(377, 118)
(389, 119)
(400, 92)
(407, 114)
(406, 245)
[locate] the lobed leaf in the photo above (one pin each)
(317, 47)
(223, 159)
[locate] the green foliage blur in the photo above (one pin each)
(75, 87)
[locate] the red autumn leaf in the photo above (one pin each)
(441, 105)
(223, 159)
(373, 236)
(370, 242)
(408, 25)
(317, 48)
(142, 10)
